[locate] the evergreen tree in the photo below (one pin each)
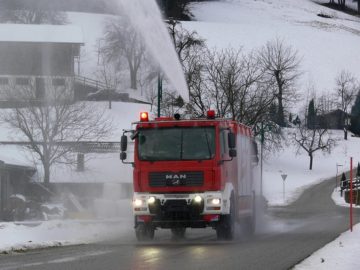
(355, 115)
(311, 117)
(297, 121)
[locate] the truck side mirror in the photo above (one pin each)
(231, 140)
(232, 153)
(123, 143)
(123, 156)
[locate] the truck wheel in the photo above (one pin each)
(178, 233)
(226, 227)
(144, 232)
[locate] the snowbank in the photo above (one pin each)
(24, 236)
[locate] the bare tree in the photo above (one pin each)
(48, 124)
(281, 63)
(122, 42)
(313, 140)
(108, 72)
(33, 12)
(237, 85)
(214, 69)
(185, 41)
(346, 90)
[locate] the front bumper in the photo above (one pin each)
(178, 210)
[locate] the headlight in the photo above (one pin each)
(138, 202)
(215, 201)
(197, 199)
(151, 200)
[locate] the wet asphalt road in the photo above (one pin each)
(285, 236)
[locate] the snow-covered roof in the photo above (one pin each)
(15, 155)
(41, 33)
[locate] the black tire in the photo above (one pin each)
(226, 227)
(178, 233)
(144, 232)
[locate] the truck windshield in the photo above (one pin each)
(179, 143)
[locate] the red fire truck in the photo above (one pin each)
(192, 173)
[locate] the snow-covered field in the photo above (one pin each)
(326, 46)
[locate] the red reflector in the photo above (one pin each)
(209, 218)
(144, 218)
(211, 114)
(144, 116)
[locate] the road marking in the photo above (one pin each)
(57, 261)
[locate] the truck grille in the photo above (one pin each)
(164, 179)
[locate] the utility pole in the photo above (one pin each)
(263, 128)
(2, 176)
(261, 157)
(159, 94)
(336, 181)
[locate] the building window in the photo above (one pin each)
(58, 82)
(22, 81)
(4, 81)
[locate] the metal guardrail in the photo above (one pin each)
(345, 185)
(93, 83)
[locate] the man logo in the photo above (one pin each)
(175, 176)
(175, 179)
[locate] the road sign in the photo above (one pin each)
(283, 176)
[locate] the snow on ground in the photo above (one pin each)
(339, 200)
(341, 254)
(16, 236)
(23, 236)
